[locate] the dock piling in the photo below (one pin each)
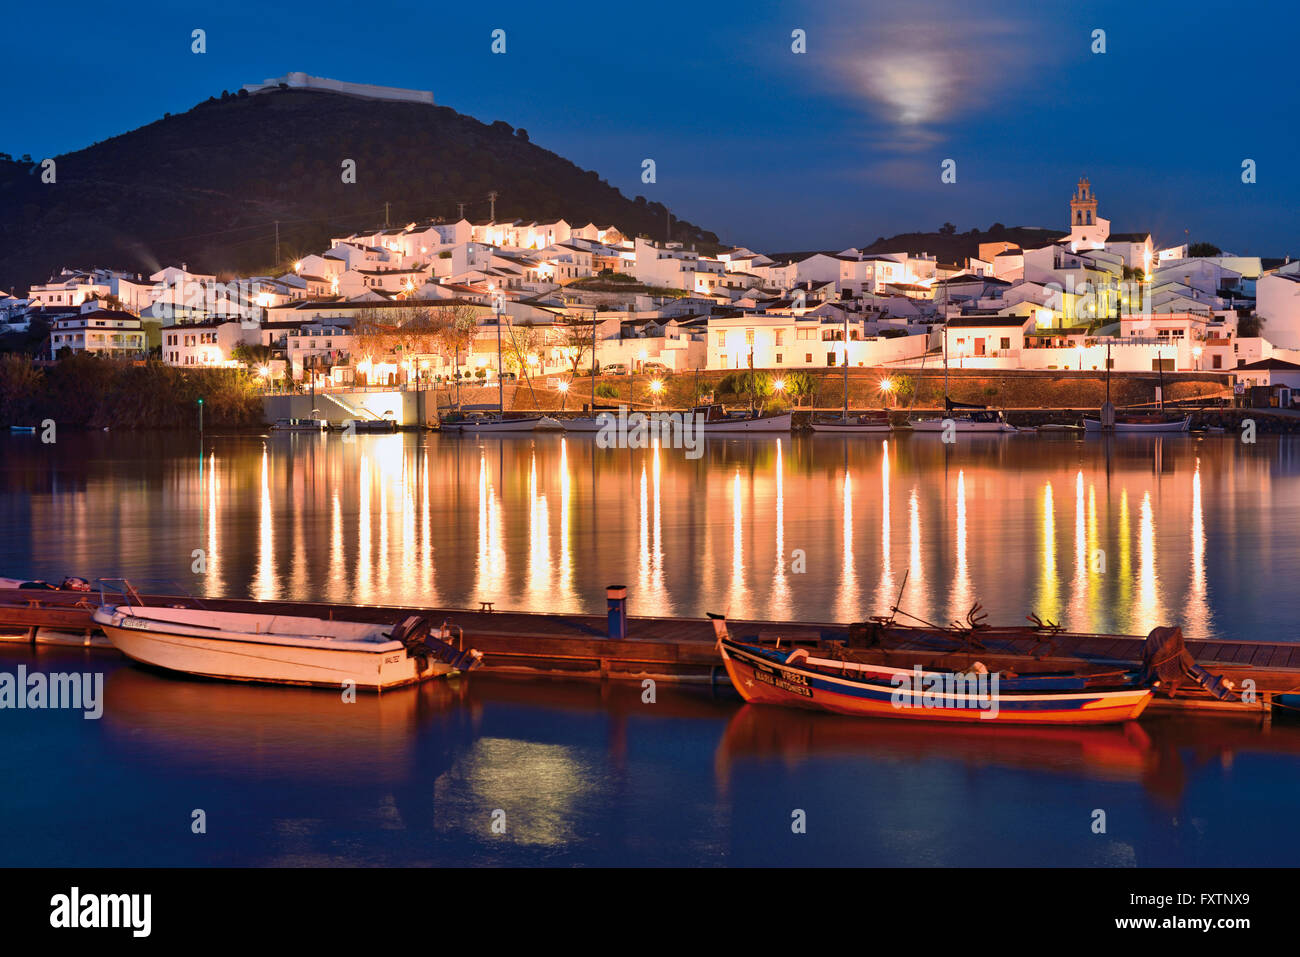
(616, 604)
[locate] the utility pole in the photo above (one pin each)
(668, 226)
(501, 386)
(386, 205)
(492, 199)
(460, 211)
(277, 242)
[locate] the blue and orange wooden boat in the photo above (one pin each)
(795, 678)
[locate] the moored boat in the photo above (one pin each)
(588, 423)
(718, 419)
(795, 678)
(975, 420)
(867, 422)
(300, 425)
(492, 423)
(1155, 422)
(284, 649)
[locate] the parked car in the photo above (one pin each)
(614, 368)
(656, 368)
(508, 377)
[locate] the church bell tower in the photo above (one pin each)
(1083, 207)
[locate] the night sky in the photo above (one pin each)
(768, 148)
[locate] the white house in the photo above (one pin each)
(101, 331)
(209, 344)
(1277, 301)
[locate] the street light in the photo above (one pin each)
(887, 388)
(656, 387)
(564, 393)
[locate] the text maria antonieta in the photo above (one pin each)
(102, 910)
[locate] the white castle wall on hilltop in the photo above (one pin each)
(301, 81)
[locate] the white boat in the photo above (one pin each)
(548, 424)
(300, 425)
(868, 423)
(717, 419)
(493, 423)
(961, 417)
(284, 649)
(977, 421)
(589, 423)
(1141, 423)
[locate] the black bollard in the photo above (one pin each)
(616, 604)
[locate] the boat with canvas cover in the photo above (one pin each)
(285, 649)
(475, 423)
(966, 418)
(1154, 422)
(718, 419)
(867, 422)
(794, 678)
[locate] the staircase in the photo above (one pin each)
(348, 410)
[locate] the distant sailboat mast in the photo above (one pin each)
(846, 365)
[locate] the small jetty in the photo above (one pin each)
(619, 646)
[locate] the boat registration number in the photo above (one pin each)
(796, 684)
(139, 624)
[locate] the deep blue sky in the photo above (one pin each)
(770, 149)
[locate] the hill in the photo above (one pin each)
(205, 187)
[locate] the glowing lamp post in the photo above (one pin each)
(564, 393)
(656, 388)
(887, 390)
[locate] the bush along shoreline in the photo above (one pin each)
(83, 391)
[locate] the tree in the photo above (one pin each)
(518, 342)
(456, 327)
(798, 385)
(251, 354)
(577, 342)
(1203, 249)
(947, 229)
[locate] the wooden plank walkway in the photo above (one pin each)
(682, 648)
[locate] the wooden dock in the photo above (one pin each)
(682, 649)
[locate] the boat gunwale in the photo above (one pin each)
(175, 629)
(1111, 696)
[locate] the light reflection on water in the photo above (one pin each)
(1106, 536)
(584, 773)
(1100, 535)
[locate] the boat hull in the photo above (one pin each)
(766, 423)
(233, 656)
(500, 425)
(1174, 425)
(851, 428)
(962, 425)
(761, 679)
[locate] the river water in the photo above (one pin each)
(1106, 535)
